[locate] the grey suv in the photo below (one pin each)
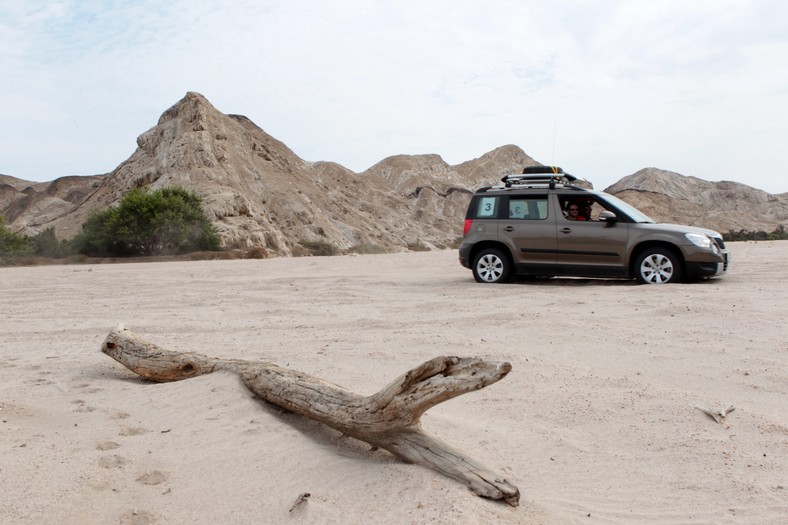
(539, 223)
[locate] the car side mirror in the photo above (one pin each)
(608, 216)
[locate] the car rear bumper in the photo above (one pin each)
(465, 252)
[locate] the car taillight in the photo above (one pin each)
(467, 227)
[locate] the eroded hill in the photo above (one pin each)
(259, 193)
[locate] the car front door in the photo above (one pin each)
(591, 246)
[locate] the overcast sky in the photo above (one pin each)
(602, 88)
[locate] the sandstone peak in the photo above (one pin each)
(724, 205)
(259, 193)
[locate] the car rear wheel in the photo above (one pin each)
(658, 266)
(492, 265)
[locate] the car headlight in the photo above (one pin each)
(702, 241)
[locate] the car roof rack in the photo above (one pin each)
(539, 176)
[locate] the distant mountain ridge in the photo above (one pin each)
(723, 206)
(259, 193)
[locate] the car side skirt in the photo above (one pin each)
(573, 270)
(572, 252)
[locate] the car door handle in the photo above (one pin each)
(508, 229)
(566, 230)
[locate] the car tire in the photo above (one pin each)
(658, 265)
(492, 265)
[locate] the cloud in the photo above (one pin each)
(602, 87)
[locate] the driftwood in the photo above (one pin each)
(718, 415)
(388, 419)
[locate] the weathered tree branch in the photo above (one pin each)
(389, 419)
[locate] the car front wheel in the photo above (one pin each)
(658, 266)
(492, 266)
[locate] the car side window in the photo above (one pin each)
(532, 208)
(487, 208)
(581, 208)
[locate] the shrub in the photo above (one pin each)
(320, 248)
(12, 245)
(167, 221)
(779, 234)
(47, 245)
(258, 252)
(367, 248)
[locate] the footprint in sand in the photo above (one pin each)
(137, 517)
(110, 462)
(87, 388)
(9, 363)
(82, 407)
(38, 382)
(154, 477)
(132, 431)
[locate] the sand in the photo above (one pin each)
(596, 423)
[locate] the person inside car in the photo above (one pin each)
(585, 210)
(573, 212)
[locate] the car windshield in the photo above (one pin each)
(633, 213)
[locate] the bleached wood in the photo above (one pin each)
(389, 419)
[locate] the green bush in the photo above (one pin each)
(12, 245)
(167, 221)
(318, 248)
(779, 234)
(47, 245)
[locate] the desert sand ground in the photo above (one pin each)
(596, 423)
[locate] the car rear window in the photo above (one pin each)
(487, 208)
(532, 208)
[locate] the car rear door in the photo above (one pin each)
(528, 227)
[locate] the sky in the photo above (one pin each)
(602, 88)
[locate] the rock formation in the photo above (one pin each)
(723, 206)
(259, 193)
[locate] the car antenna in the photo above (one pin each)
(555, 134)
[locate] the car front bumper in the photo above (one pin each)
(709, 269)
